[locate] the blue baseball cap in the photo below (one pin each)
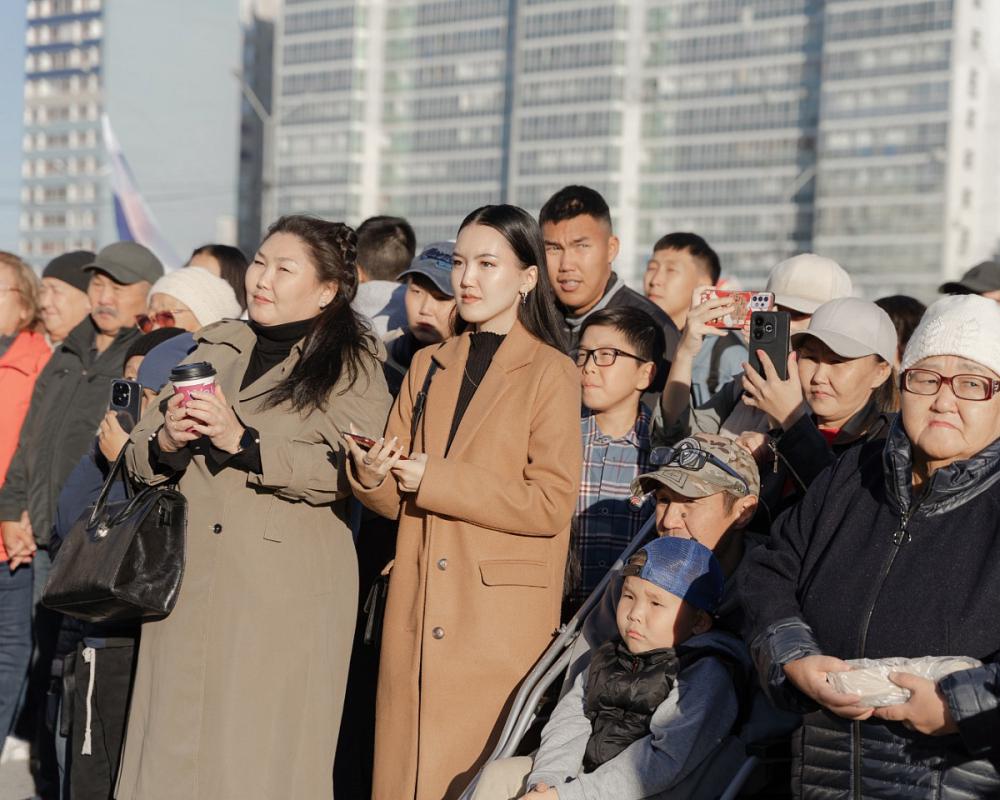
(434, 262)
(682, 567)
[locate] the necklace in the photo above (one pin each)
(465, 370)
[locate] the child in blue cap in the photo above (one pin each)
(653, 702)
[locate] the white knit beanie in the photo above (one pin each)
(965, 325)
(209, 298)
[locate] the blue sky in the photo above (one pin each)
(11, 102)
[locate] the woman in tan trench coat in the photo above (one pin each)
(238, 692)
(484, 510)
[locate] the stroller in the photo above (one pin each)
(723, 774)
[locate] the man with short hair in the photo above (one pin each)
(386, 247)
(682, 263)
(983, 279)
(63, 297)
(580, 249)
(71, 397)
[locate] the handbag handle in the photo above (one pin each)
(102, 498)
(420, 401)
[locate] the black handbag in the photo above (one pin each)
(125, 560)
(378, 595)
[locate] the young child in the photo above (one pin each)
(653, 702)
(617, 356)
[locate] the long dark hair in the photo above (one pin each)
(338, 340)
(538, 314)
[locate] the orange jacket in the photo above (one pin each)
(20, 366)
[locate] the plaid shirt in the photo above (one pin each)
(605, 520)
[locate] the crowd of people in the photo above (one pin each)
(415, 466)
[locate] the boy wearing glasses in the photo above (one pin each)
(617, 356)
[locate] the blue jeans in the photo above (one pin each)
(15, 640)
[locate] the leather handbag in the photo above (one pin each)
(125, 560)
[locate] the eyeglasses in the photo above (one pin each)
(692, 458)
(965, 387)
(165, 319)
(603, 356)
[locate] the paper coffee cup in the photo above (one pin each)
(197, 377)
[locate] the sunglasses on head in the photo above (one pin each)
(163, 319)
(689, 457)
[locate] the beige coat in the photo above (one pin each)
(239, 691)
(476, 588)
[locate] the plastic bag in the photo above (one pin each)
(870, 676)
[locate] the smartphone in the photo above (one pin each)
(126, 402)
(746, 304)
(770, 331)
(368, 443)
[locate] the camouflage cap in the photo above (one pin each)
(686, 477)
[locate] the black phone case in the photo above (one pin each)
(770, 331)
(128, 414)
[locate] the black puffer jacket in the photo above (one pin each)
(860, 568)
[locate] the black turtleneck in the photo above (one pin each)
(274, 343)
(483, 345)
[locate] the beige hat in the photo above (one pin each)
(964, 325)
(209, 297)
(853, 328)
(804, 282)
(702, 465)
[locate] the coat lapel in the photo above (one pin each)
(443, 395)
(517, 349)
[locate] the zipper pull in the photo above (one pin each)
(902, 536)
(772, 445)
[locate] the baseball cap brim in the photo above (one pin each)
(433, 274)
(966, 287)
(803, 305)
(119, 273)
(685, 482)
(843, 346)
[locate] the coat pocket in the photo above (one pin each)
(509, 572)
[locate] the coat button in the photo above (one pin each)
(442, 564)
(438, 633)
(216, 528)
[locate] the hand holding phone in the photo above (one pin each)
(126, 402)
(744, 303)
(368, 443)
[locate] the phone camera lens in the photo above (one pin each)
(769, 328)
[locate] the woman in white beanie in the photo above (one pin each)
(895, 553)
(188, 298)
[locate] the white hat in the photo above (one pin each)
(804, 282)
(210, 298)
(966, 325)
(853, 328)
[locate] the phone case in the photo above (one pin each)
(746, 303)
(128, 412)
(770, 331)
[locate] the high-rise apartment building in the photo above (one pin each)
(163, 74)
(863, 129)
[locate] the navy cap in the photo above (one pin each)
(434, 262)
(154, 371)
(682, 567)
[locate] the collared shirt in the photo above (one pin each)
(606, 520)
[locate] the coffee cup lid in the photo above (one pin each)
(190, 372)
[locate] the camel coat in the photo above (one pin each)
(238, 692)
(476, 586)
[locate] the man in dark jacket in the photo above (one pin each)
(580, 248)
(70, 397)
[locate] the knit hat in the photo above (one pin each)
(154, 371)
(966, 325)
(210, 298)
(804, 282)
(68, 268)
(683, 567)
(853, 328)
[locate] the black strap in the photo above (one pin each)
(720, 346)
(102, 498)
(421, 401)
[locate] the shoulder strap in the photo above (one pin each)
(719, 347)
(421, 401)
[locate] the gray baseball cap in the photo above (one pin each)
(127, 262)
(853, 328)
(984, 277)
(434, 262)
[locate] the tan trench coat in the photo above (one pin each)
(238, 692)
(476, 587)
